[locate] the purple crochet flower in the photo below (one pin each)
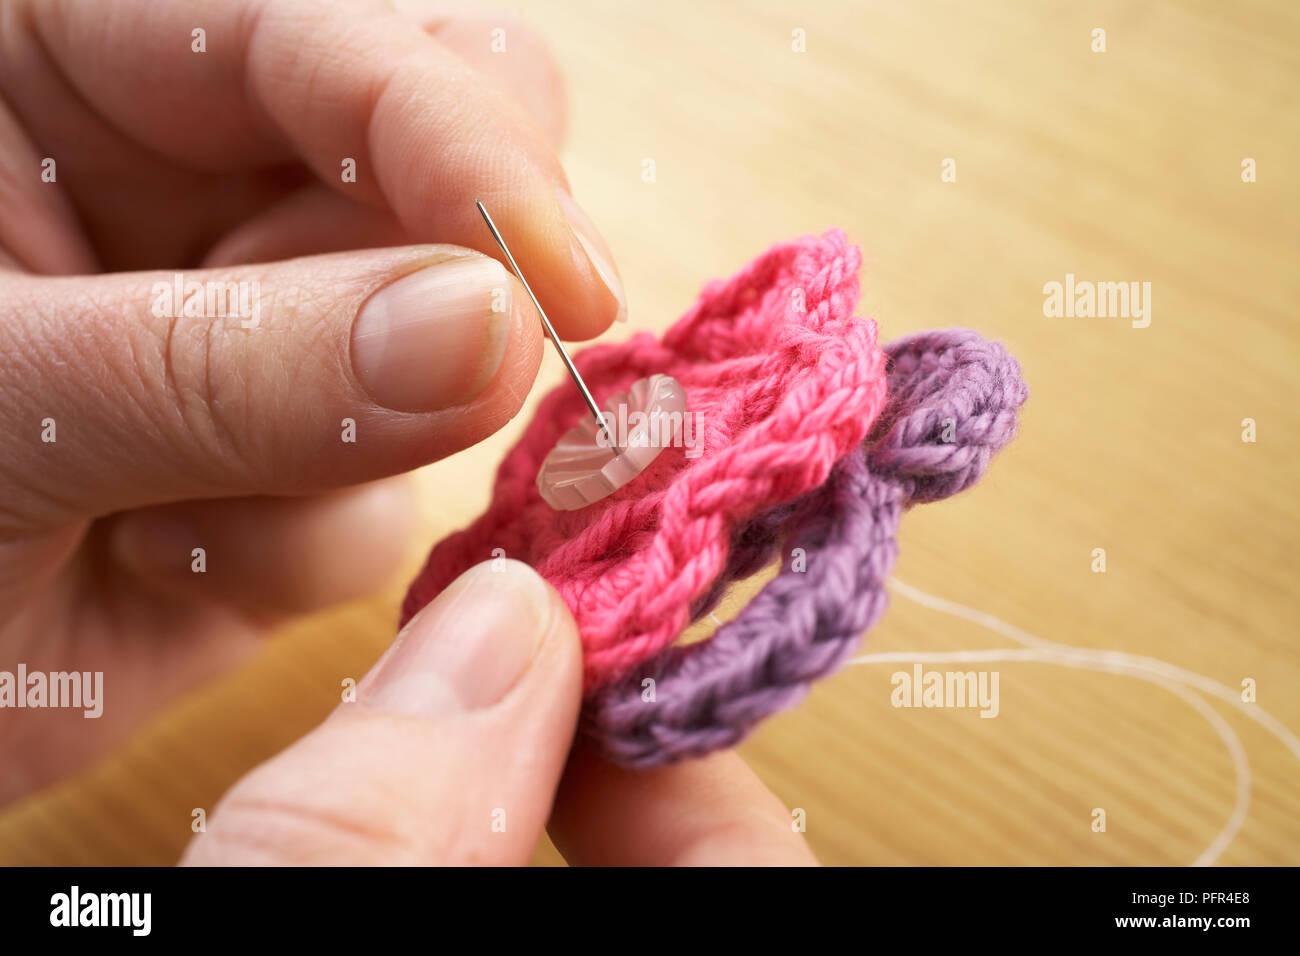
(953, 402)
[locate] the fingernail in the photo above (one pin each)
(469, 646)
(584, 230)
(435, 338)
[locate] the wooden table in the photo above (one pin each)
(1117, 166)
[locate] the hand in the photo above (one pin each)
(134, 433)
(452, 752)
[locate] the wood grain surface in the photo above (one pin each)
(1117, 166)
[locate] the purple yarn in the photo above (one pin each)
(953, 403)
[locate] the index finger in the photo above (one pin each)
(342, 86)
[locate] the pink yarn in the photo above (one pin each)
(783, 381)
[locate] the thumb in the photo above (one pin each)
(291, 377)
(450, 755)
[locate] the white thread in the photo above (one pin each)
(1152, 664)
(1172, 678)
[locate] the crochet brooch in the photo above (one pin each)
(808, 441)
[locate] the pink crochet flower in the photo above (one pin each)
(782, 380)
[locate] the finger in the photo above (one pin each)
(708, 812)
(500, 46)
(309, 221)
(301, 376)
(265, 559)
(371, 90)
(505, 48)
(272, 558)
(449, 756)
(37, 220)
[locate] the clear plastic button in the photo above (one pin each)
(586, 466)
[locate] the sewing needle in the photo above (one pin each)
(550, 330)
